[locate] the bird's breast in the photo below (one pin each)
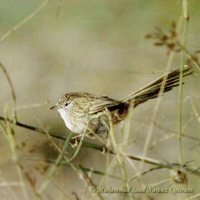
(75, 124)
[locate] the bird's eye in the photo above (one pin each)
(66, 104)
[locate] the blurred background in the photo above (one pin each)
(98, 47)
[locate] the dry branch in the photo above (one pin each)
(101, 148)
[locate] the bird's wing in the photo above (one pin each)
(99, 103)
(92, 104)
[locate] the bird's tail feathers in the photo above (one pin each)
(158, 87)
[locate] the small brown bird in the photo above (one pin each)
(87, 113)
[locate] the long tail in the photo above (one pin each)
(153, 89)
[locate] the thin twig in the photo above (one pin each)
(91, 183)
(9, 135)
(180, 92)
(67, 161)
(25, 20)
(155, 112)
(53, 169)
(11, 88)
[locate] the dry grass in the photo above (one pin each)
(96, 170)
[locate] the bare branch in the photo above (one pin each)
(101, 148)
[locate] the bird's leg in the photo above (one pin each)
(104, 149)
(74, 141)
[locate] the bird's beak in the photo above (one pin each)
(53, 107)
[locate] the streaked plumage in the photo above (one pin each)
(82, 111)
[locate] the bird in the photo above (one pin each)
(90, 114)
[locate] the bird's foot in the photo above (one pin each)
(74, 141)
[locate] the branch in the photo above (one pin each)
(101, 148)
